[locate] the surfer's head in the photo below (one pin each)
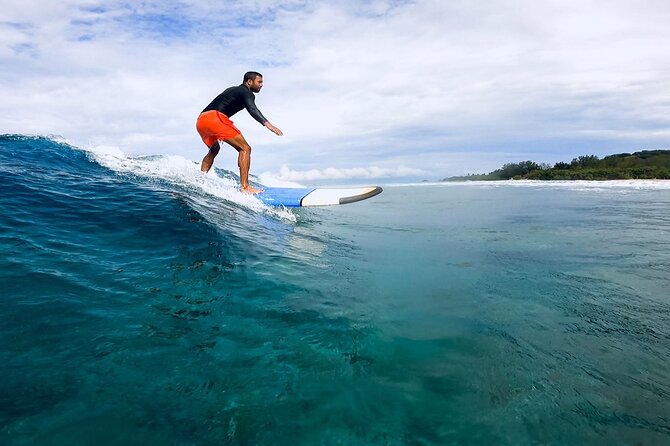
(253, 80)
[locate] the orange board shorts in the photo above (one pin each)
(214, 126)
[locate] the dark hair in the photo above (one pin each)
(251, 76)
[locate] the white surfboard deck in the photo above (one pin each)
(319, 196)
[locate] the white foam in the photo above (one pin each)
(185, 173)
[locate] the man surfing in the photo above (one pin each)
(214, 125)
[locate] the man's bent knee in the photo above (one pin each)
(240, 144)
(214, 148)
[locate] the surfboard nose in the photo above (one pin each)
(375, 190)
(295, 197)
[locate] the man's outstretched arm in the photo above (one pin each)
(273, 129)
(255, 113)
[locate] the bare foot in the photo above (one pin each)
(250, 190)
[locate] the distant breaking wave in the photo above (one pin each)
(609, 185)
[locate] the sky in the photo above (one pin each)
(379, 89)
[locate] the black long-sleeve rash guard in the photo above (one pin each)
(234, 99)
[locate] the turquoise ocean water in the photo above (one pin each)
(144, 303)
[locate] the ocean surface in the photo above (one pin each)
(146, 303)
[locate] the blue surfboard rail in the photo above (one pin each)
(289, 197)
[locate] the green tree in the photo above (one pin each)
(512, 170)
(585, 161)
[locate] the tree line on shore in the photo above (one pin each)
(647, 164)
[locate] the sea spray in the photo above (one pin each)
(178, 172)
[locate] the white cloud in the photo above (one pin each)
(332, 173)
(382, 83)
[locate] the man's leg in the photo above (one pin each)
(243, 162)
(208, 160)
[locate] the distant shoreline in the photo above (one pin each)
(644, 165)
(660, 184)
(599, 180)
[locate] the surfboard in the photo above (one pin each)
(303, 197)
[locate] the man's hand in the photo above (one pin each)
(273, 129)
